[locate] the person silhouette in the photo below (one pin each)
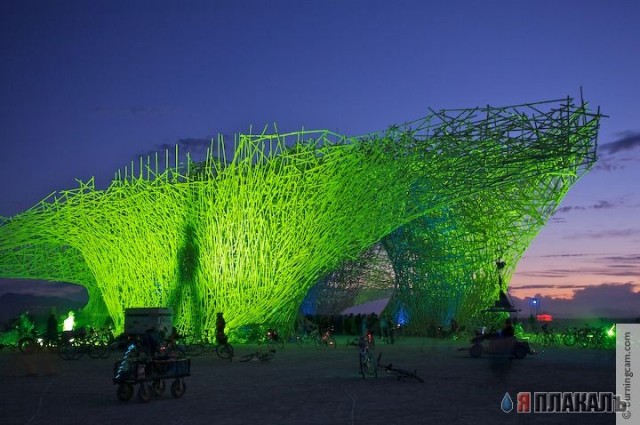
(52, 328)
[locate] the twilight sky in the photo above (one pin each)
(85, 87)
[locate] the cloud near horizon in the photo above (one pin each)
(43, 288)
(610, 158)
(623, 266)
(606, 234)
(605, 300)
(600, 205)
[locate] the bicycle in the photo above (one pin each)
(353, 342)
(570, 337)
(34, 342)
(73, 347)
(399, 373)
(74, 344)
(545, 337)
(326, 339)
(304, 337)
(273, 340)
(186, 344)
(367, 364)
(259, 355)
(223, 350)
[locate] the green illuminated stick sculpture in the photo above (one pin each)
(250, 235)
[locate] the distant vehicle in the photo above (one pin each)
(501, 346)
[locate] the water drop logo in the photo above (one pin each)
(507, 403)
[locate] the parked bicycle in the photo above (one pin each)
(260, 355)
(594, 337)
(325, 339)
(222, 348)
(274, 340)
(35, 342)
(399, 373)
(74, 344)
(367, 363)
(546, 337)
(187, 344)
(303, 338)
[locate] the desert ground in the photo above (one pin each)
(305, 385)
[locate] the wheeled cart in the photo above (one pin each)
(150, 375)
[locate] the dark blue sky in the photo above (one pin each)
(85, 87)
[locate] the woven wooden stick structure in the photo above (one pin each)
(249, 235)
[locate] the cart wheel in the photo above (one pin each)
(158, 387)
(124, 392)
(178, 388)
(145, 393)
(475, 351)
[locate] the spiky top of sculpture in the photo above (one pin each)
(249, 235)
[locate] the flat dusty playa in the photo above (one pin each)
(303, 385)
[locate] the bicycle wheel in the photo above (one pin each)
(569, 339)
(372, 367)
(539, 339)
(331, 342)
(27, 345)
(224, 351)
(368, 366)
(363, 368)
(100, 351)
(77, 352)
(247, 357)
(105, 352)
(265, 357)
(583, 341)
(71, 352)
(63, 352)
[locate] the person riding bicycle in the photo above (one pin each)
(221, 338)
(363, 343)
